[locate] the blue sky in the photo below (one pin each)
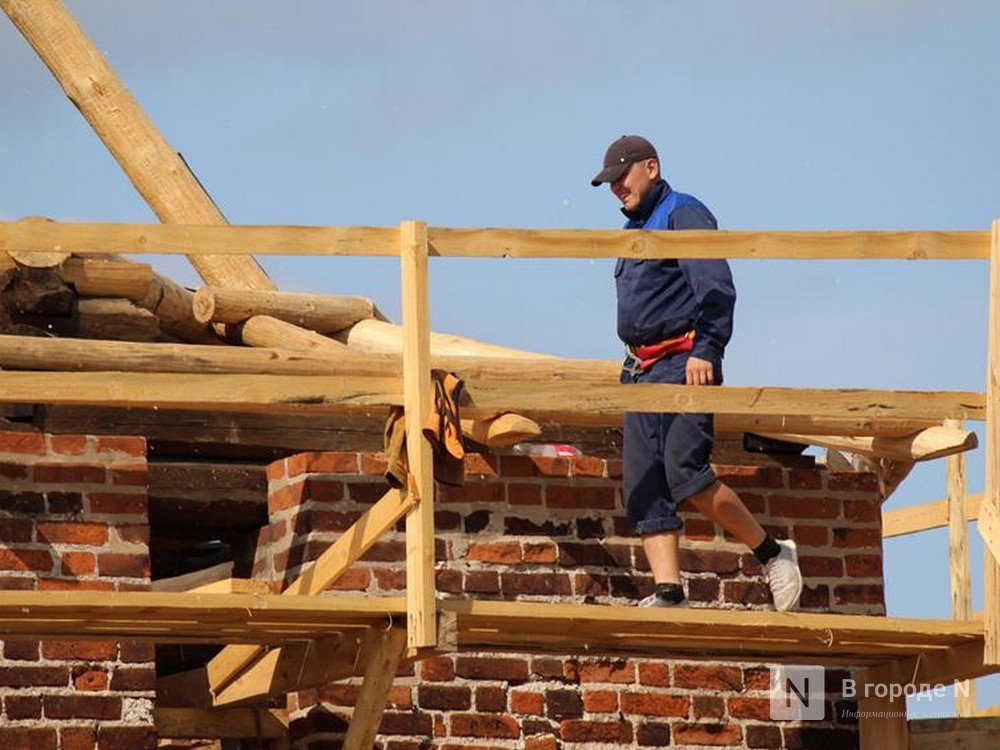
(779, 115)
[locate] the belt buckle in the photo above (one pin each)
(632, 364)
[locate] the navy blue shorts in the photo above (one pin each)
(665, 457)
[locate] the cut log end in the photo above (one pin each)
(203, 305)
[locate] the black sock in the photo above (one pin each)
(767, 550)
(671, 592)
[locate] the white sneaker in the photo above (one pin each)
(783, 576)
(658, 601)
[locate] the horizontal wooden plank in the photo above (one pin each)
(932, 515)
(134, 239)
(220, 723)
(278, 393)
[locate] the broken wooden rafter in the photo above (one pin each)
(933, 442)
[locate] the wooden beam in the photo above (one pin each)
(882, 723)
(279, 393)
(233, 586)
(155, 169)
(318, 312)
(198, 578)
(421, 612)
(379, 675)
(225, 666)
(185, 239)
(933, 667)
(958, 561)
(381, 337)
(932, 515)
(931, 443)
(991, 500)
(965, 733)
(220, 723)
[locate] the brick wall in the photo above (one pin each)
(553, 529)
(73, 517)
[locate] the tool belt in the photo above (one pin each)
(638, 359)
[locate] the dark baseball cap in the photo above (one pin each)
(622, 154)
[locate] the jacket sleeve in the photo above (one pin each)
(712, 284)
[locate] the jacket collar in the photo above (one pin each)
(644, 210)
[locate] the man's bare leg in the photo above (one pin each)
(662, 553)
(722, 505)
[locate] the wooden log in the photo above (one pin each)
(931, 443)
(155, 169)
(991, 499)
(380, 671)
(958, 561)
(933, 515)
(115, 318)
(50, 259)
(421, 630)
(267, 332)
(36, 291)
(380, 337)
(317, 312)
(171, 303)
(108, 277)
(136, 239)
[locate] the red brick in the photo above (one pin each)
(132, 446)
(118, 503)
(524, 494)
(535, 584)
(321, 491)
(652, 734)
(14, 471)
(815, 597)
(485, 668)
(390, 580)
(400, 696)
(276, 470)
(134, 679)
(587, 466)
(763, 736)
(444, 697)
(438, 669)
(491, 699)
(38, 560)
(577, 730)
(22, 502)
(133, 533)
(786, 506)
(67, 532)
(852, 538)
(497, 553)
(85, 679)
(709, 561)
(614, 468)
(482, 582)
(134, 652)
(25, 676)
(813, 566)
(126, 738)
(745, 592)
(69, 473)
(757, 678)
(23, 707)
(655, 704)
(755, 502)
(133, 475)
(862, 510)
(541, 743)
(353, 579)
(703, 589)
(89, 650)
(699, 529)
(64, 502)
(751, 476)
(22, 442)
(591, 584)
(599, 498)
(704, 677)
(533, 466)
(68, 445)
(77, 563)
(741, 707)
(373, 464)
(804, 479)
(864, 566)
(123, 565)
(617, 671)
(540, 553)
(27, 738)
(707, 734)
(19, 649)
(811, 536)
(473, 492)
(654, 673)
(524, 702)
(708, 707)
(285, 497)
(851, 482)
(14, 531)
(77, 738)
(514, 526)
(488, 726)
(859, 594)
(600, 701)
(563, 704)
(74, 585)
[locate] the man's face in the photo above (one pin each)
(632, 186)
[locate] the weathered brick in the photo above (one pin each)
(786, 506)
(533, 466)
(600, 701)
(745, 592)
(652, 734)
(708, 707)
(68, 532)
(850, 482)
(583, 730)
(618, 671)
(22, 442)
(497, 553)
(39, 560)
(123, 565)
(491, 699)
(709, 561)
(742, 707)
(20, 707)
(850, 538)
(64, 502)
(863, 511)
(705, 677)
(599, 498)
(563, 704)
(806, 738)
(804, 479)
(656, 674)
(406, 722)
(763, 736)
(486, 668)
(27, 738)
(524, 494)
(22, 676)
(130, 446)
(90, 679)
(488, 726)
(514, 526)
(134, 652)
(864, 566)
(77, 738)
(83, 707)
(15, 531)
(22, 502)
(525, 702)
(374, 464)
(813, 566)
(811, 536)
(848, 593)
(68, 445)
(540, 553)
(438, 669)
(699, 530)
(14, 471)
(126, 738)
(134, 679)
(655, 704)
(535, 584)
(117, 503)
(815, 597)
(323, 491)
(751, 476)
(708, 734)
(541, 743)
(69, 474)
(445, 697)
(20, 649)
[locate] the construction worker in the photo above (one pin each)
(675, 318)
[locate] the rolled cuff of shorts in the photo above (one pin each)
(704, 478)
(658, 525)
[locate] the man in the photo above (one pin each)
(676, 317)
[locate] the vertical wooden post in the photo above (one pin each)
(958, 560)
(379, 674)
(882, 724)
(991, 498)
(420, 600)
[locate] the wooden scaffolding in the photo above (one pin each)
(291, 364)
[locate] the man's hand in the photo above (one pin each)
(699, 372)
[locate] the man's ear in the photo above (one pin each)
(653, 169)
